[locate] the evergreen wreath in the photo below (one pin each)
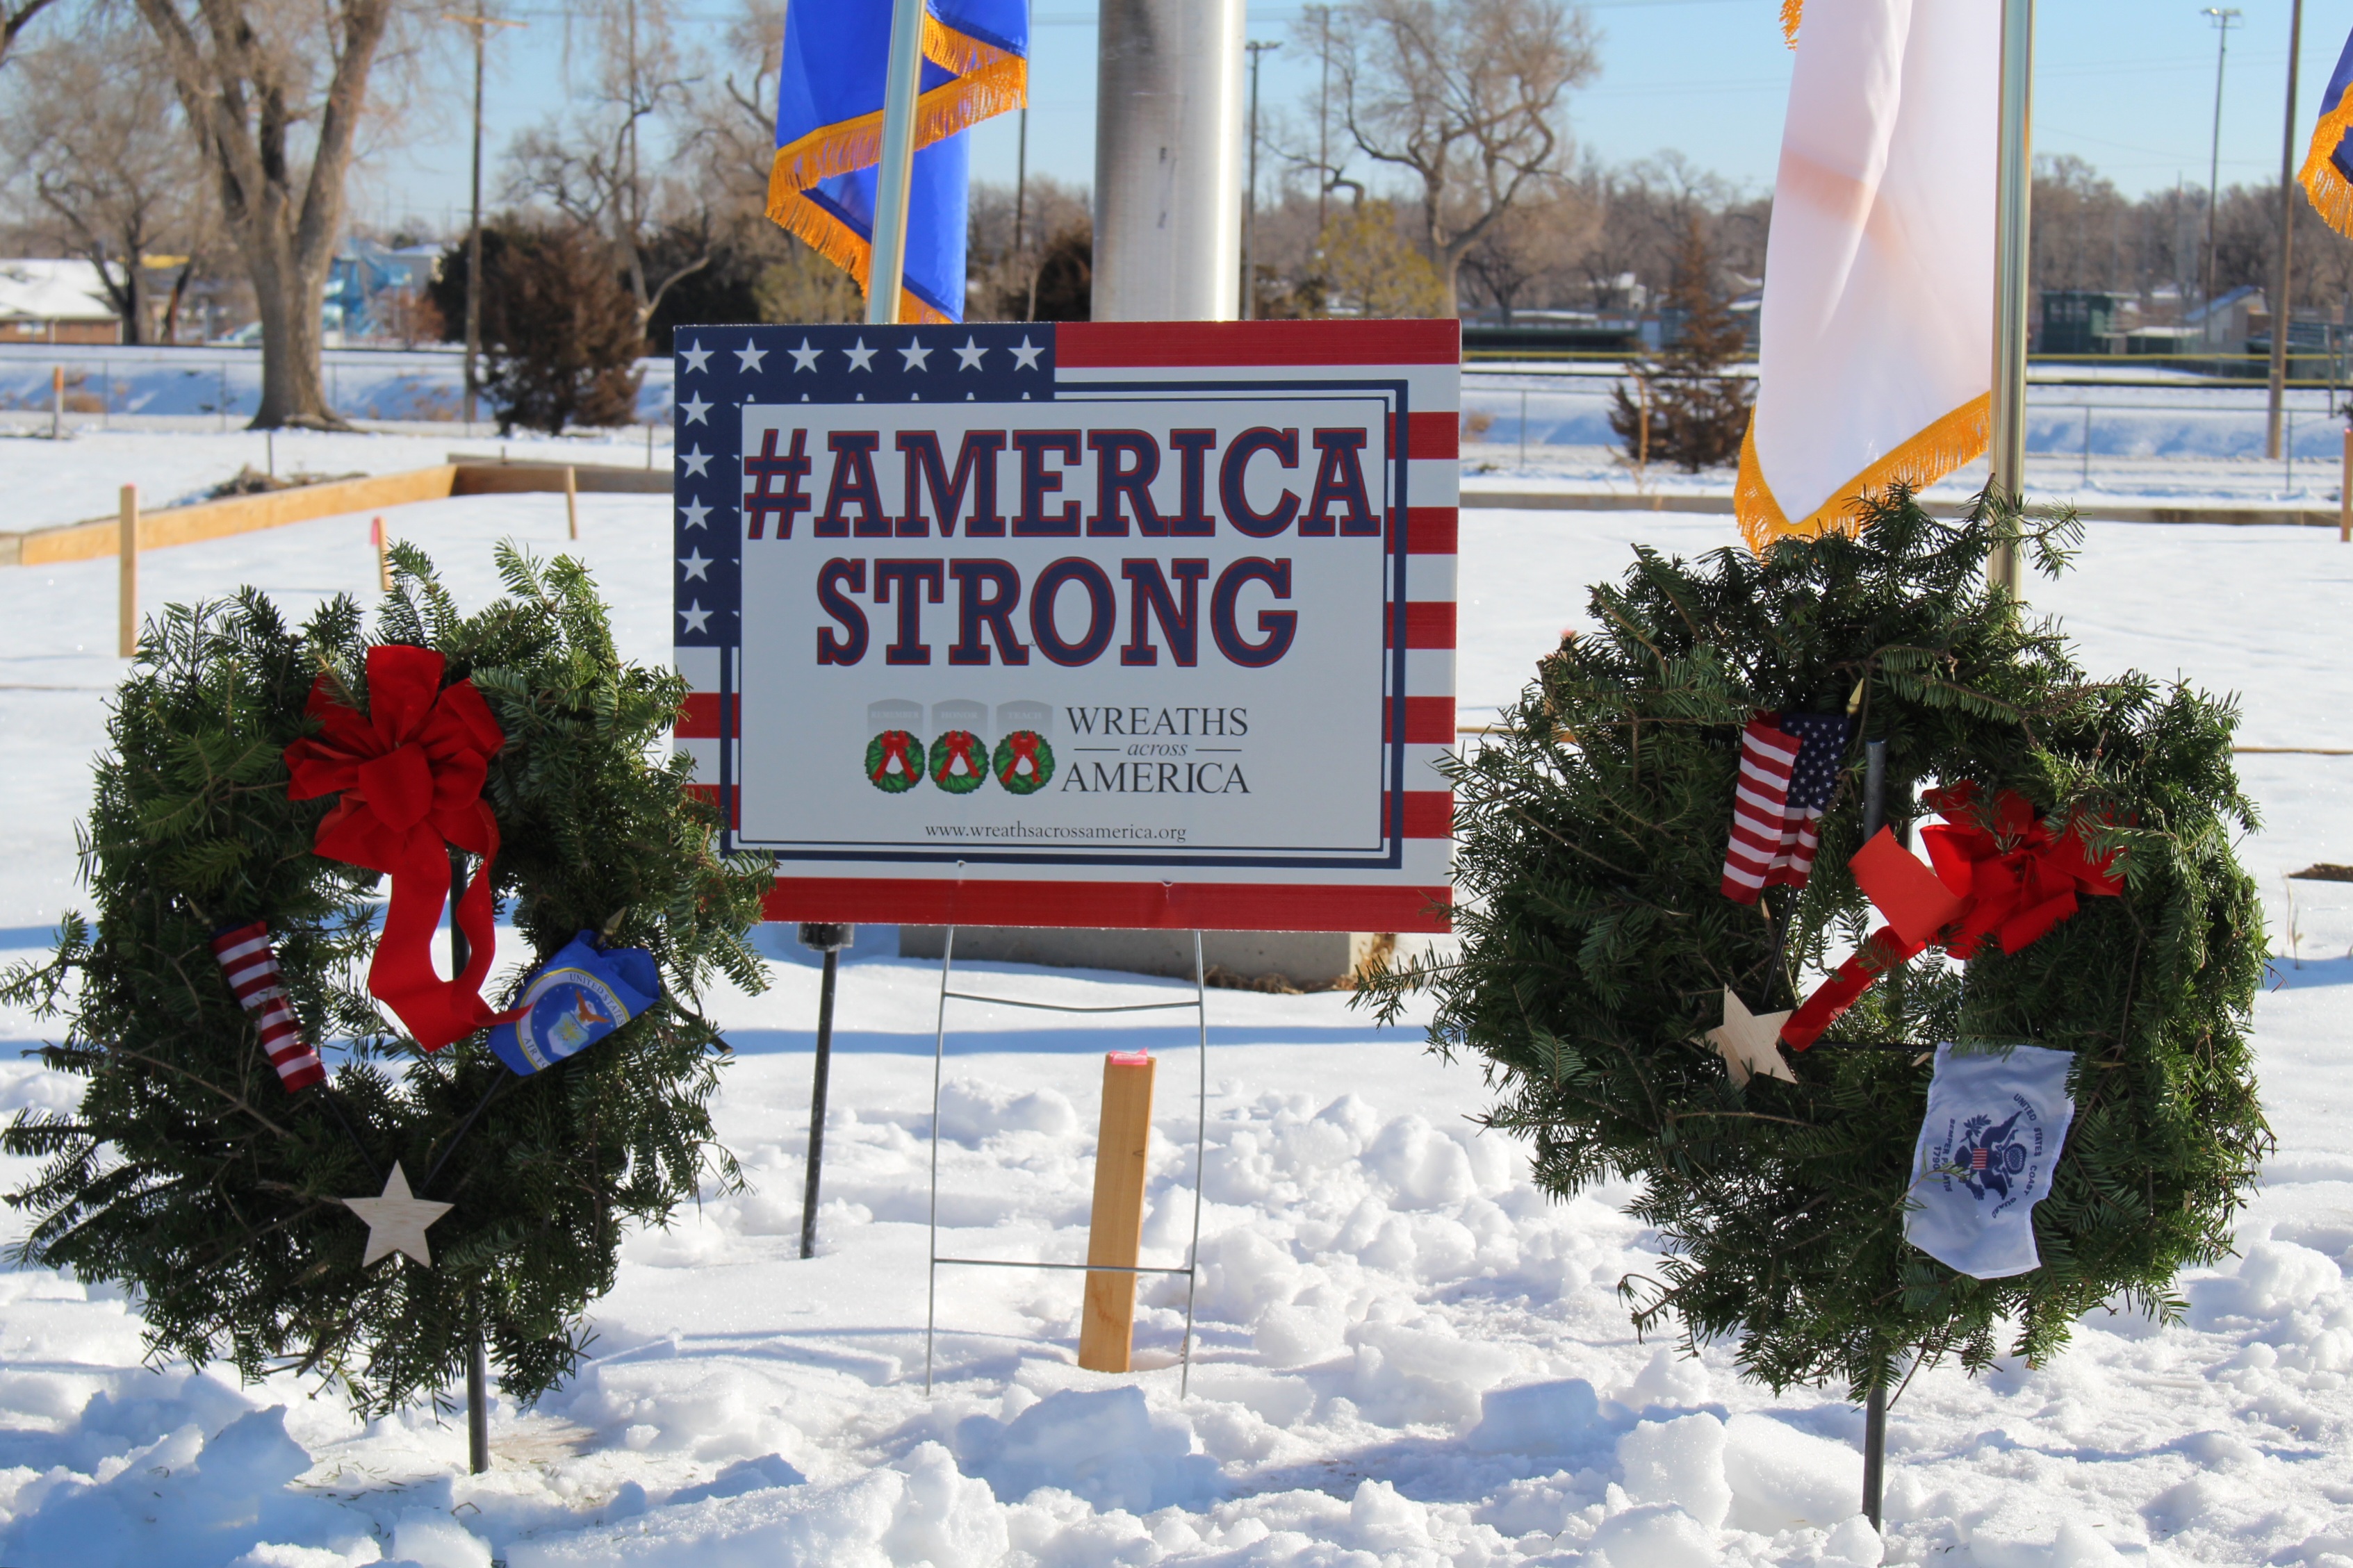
(1597, 944)
(192, 1177)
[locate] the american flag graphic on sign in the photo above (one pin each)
(1789, 765)
(1081, 624)
(251, 965)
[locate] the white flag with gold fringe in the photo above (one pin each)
(1877, 352)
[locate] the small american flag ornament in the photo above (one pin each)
(1789, 765)
(251, 965)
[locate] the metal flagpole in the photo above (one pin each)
(886, 265)
(2280, 302)
(2013, 211)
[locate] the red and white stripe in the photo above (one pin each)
(1768, 846)
(1425, 356)
(251, 965)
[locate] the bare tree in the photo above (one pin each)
(1462, 97)
(100, 150)
(274, 91)
(14, 19)
(1529, 252)
(598, 170)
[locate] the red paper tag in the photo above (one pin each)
(1909, 894)
(1128, 1058)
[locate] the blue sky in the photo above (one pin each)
(2127, 85)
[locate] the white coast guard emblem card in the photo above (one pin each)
(1080, 624)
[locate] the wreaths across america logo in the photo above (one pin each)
(1159, 750)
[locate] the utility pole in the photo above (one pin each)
(1250, 198)
(2281, 299)
(1021, 181)
(479, 26)
(2224, 20)
(1323, 125)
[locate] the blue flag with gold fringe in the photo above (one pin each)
(829, 133)
(2327, 175)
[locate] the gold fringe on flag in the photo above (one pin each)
(1792, 11)
(842, 246)
(954, 51)
(1958, 438)
(2323, 181)
(993, 86)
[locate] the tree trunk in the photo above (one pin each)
(134, 320)
(237, 95)
(292, 391)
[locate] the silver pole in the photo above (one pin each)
(2281, 300)
(939, 1056)
(887, 264)
(2014, 201)
(1168, 160)
(1200, 1164)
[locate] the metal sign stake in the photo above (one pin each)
(1191, 1269)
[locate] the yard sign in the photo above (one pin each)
(1083, 624)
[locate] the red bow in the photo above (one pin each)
(411, 770)
(1021, 747)
(959, 744)
(2012, 880)
(894, 749)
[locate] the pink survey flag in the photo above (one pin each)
(1877, 353)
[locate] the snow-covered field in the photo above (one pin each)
(1405, 1356)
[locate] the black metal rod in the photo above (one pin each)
(1874, 788)
(816, 1102)
(459, 954)
(1874, 1447)
(478, 1400)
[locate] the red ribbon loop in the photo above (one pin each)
(410, 771)
(894, 749)
(2006, 876)
(959, 743)
(1023, 748)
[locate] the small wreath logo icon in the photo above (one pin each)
(1023, 762)
(959, 762)
(894, 761)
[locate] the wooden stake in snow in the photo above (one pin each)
(571, 501)
(126, 547)
(383, 566)
(57, 402)
(1115, 1231)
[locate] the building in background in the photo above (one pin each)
(54, 301)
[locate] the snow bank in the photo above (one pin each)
(1106, 1445)
(919, 1511)
(186, 1501)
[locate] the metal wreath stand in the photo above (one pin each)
(1191, 1271)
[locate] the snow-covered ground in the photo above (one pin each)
(1405, 1355)
(215, 385)
(2164, 438)
(2188, 442)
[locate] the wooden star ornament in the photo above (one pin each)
(1750, 1043)
(397, 1222)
